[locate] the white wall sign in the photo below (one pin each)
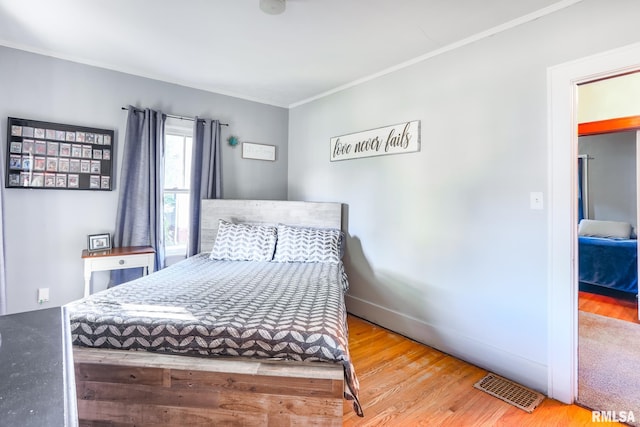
(394, 139)
(252, 150)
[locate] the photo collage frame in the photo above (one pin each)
(58, 156)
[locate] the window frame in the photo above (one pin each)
(180, 128)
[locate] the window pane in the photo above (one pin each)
(169, 219)
(177, 175)
(174, 162)
(187, 161)
(176, 219)
(182, 219)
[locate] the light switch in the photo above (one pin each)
(536, 200)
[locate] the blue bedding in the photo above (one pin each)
(611, 263)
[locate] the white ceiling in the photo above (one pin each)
(231, 47)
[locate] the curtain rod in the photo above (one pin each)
(173, 116)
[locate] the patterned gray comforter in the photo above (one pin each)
(292, 311)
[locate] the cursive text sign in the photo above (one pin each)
(252, 150)
(395, 139)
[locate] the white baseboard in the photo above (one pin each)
(516, 368)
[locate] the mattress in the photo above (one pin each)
(289, 311)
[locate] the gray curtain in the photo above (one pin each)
(139, 221)
(206, 176)
(3, 283)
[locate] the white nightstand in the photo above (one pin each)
(117, 259)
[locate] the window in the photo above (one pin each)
(177, 173)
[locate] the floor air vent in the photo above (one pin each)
(513, 393)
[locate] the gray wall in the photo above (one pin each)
(443, 246)
(46, 230)
(612, 176)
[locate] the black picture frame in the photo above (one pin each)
(48, 156)
(99, 242)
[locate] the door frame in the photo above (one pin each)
(562, 149)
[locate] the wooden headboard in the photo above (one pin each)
(300, 214)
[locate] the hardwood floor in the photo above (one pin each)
(404, 383)
(624, 309)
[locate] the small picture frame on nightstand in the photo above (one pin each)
(98, 242)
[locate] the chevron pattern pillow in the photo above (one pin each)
(302, 244)
(244, 242)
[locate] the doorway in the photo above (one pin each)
(608, 270)
(563, 150)
(608, 219)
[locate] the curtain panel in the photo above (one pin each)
(580, 189)
(139, 220)
(3, 283)
(206, 176)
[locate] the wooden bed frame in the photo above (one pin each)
(126, 388)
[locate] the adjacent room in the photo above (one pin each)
(607, 241)
(396, 182)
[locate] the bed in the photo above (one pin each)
(608, 256)
(242, 339)
(609, 263)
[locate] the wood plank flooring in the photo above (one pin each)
(404, 383)
(623, 309)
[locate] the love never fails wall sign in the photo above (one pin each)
(394, 139)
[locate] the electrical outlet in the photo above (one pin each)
(43, 295)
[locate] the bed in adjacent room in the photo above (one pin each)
(608, 256)
(252, 331)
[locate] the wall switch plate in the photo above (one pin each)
(536, 200)
(43, 295)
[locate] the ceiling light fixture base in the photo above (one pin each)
(273, 7)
